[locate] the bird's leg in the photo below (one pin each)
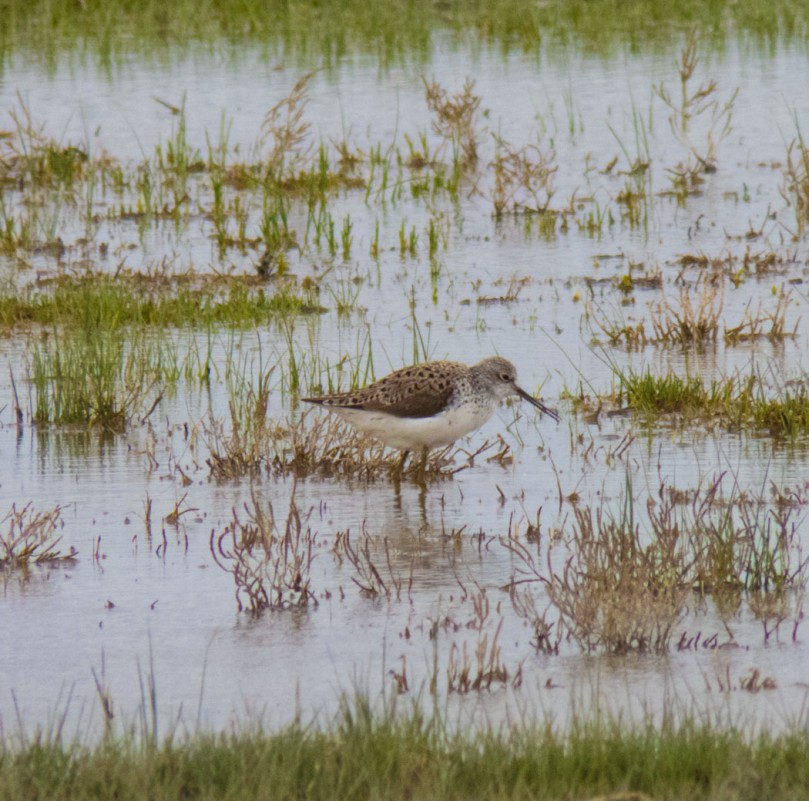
(422, 472)
(397, 493)
(423, 505)
(400, 467)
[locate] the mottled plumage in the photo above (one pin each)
(429, 405)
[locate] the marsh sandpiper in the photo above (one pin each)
(429, 405)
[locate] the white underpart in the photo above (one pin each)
(410, 433)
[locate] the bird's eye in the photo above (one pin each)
(505, 376)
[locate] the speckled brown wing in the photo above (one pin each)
(418, 391)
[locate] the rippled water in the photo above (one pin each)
(161, 609)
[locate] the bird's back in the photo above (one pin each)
(421, 390)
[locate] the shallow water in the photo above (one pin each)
(149, 608)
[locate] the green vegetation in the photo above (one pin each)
(674, 394)
(100, 359)
(314, 31)
(101, 349)
(127, 299)
(797, 177)
(98, 377)
(370, 755)
(274, 202)
(731, 403)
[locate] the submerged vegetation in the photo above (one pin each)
(270, 563)
(696, 318)
(29, 537)
(632, 574)
(639, 579)
(328, 30)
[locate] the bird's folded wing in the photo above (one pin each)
(416, 394)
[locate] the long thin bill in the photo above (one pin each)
(538, 403)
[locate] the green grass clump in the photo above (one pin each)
(788, 415)
(97, 377)
(733, 403)
(650, 394)
(107, 302)
(371, 756)
(653, 395)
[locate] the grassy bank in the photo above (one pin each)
(370, 756)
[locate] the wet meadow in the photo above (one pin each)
(210, 589)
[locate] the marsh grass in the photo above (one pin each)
(29, 537)
(239, 447)
(306, 35)
(796, 186)
(159, 301)
(49, 183)
(523, 179)
(763, 324)
(456, 119)
(285, 132)
(787, 415)
(306, 372)
(274, 199)
(405, 753)
(98, 377)
(272, 202)
(270, 560)
(734, 403)
(548, 630)
(692, 320)
(670, 324)
(696, 319)
(630, 578)
(372, 563)
(32, 157)
(638, 155)
(652, 395)
(698, 107)
(479, 668)
(616, 592)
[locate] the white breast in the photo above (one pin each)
(410, 433)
